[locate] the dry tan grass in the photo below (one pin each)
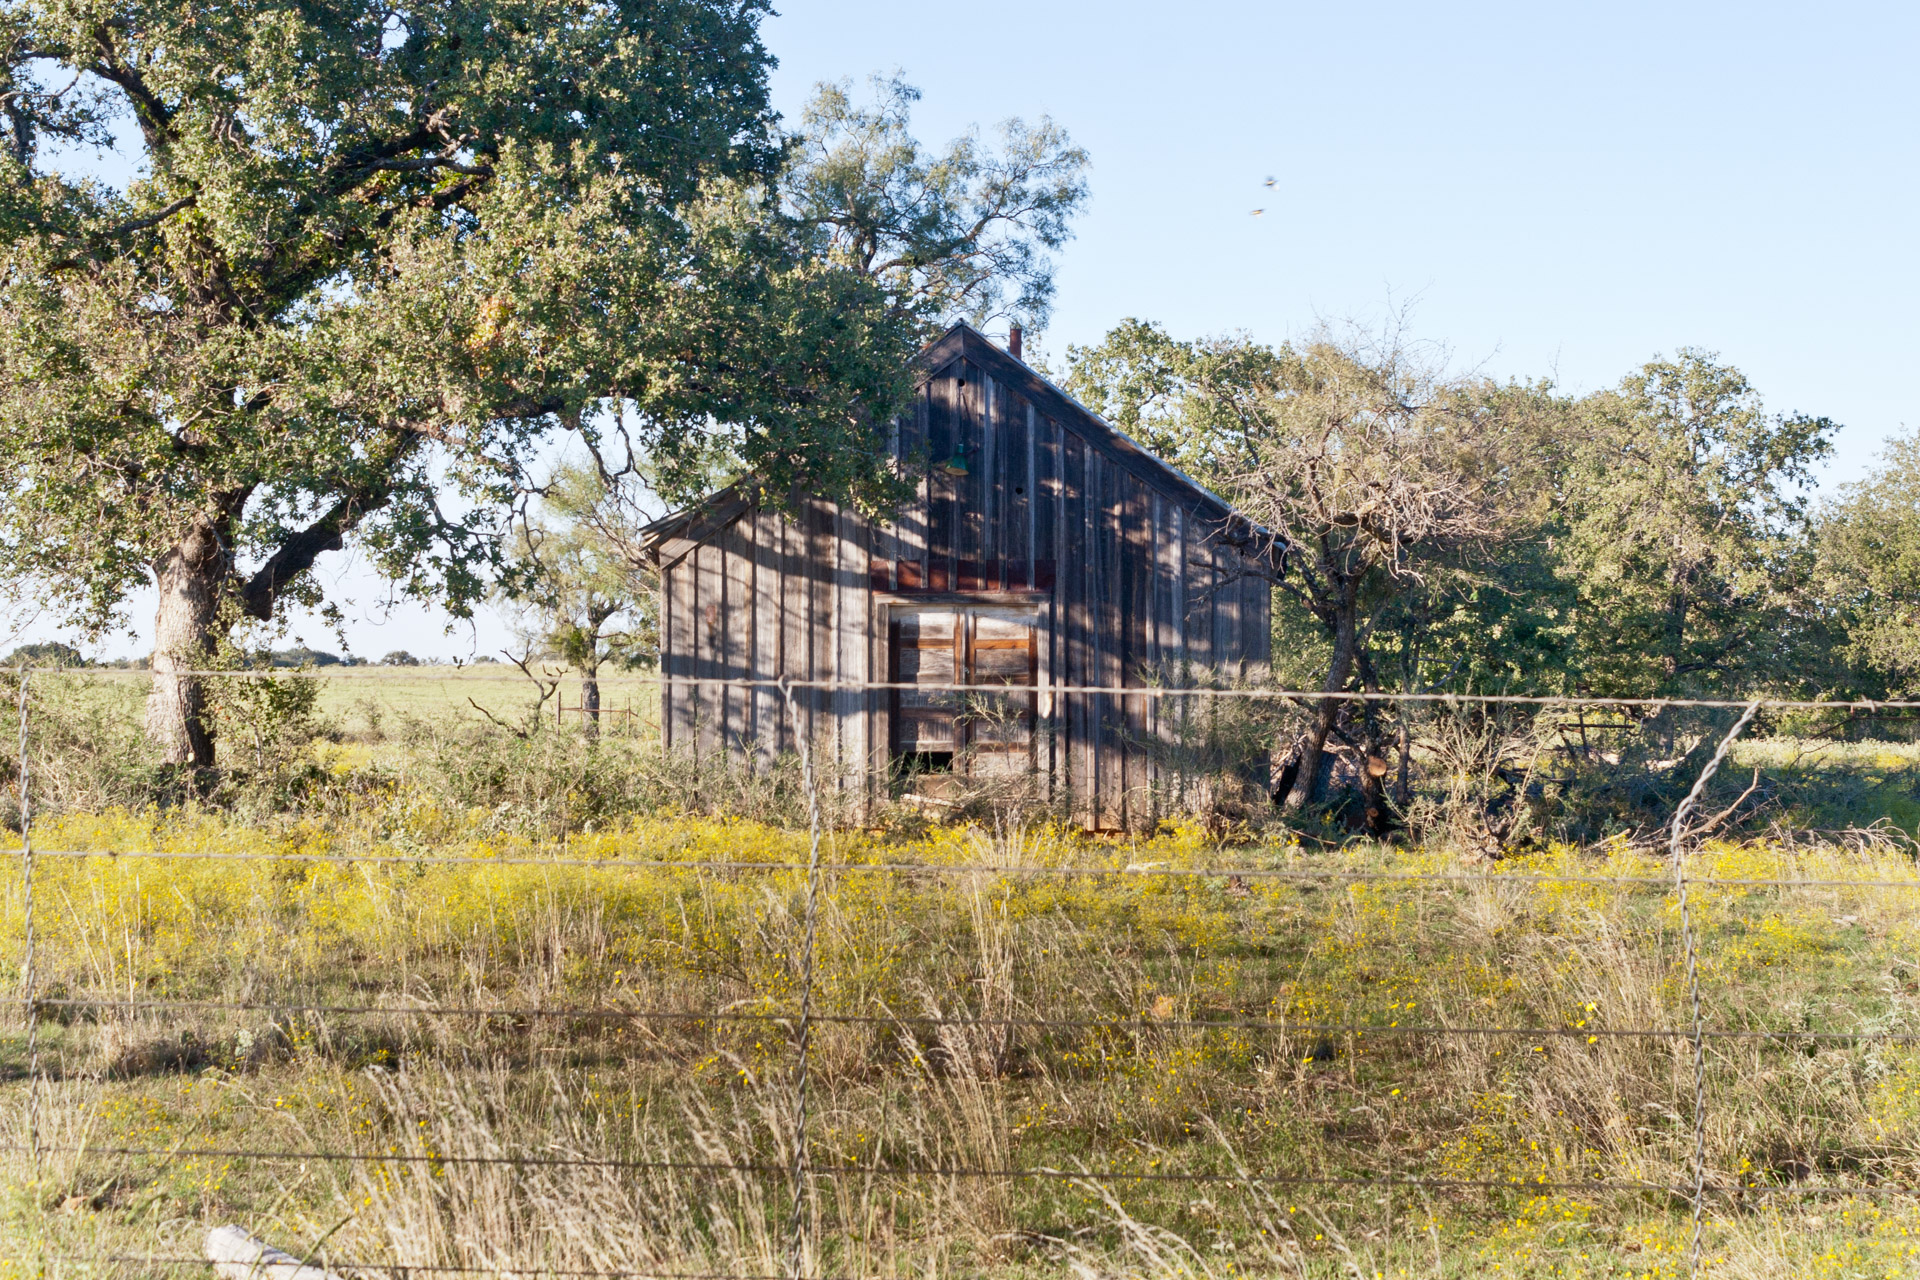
(1140, 1094)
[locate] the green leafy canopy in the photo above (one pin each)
(371, 259)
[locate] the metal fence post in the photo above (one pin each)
(797, 1253)
(26, 964)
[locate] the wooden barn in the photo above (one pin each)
(1043, 549)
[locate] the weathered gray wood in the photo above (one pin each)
(1137, 616)
(676, 630)
(794, 632)
(1174, 718)
(1198, 563)
(1048, 521)
(822, 550)
(736, 610)
(910, 531)
(1048, 512)
(880, 702)
(767, 711)
(1120, 557)
(237, 1255)
(1109, 637)
(850, 597)
(674, 545)
(926, 645)
(1161, 632)
(1256, 620)
(1025, 474)
(709, 594)
(991, 485)
(942, 428)
(1077, 629)
(966, 343)
(967, 489)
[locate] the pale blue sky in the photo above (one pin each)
(1558, 189)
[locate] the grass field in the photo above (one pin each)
(1141, 1091)
(501, 689)
(513, 1111)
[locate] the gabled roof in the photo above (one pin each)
(965, 341)
(672, 536)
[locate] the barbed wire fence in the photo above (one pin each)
(800, 1169)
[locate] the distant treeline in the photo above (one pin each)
(52, 653)
(1660, 538)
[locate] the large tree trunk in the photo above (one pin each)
(1307, 781)
(590, 700)
(189, 577)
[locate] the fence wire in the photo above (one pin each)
(470, 675)
(802, 1170)
(930, 869)
(1138, 1023)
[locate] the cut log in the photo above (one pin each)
(235, 1255)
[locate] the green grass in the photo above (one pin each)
(403, 767)
(1138, 1095)
(442, 691)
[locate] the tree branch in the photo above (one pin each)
(297, 554)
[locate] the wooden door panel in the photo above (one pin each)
(923, 652)
(998, 727)
(990, 731)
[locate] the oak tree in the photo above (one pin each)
(371, 258)
(1684, 507)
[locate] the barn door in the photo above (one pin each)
(960, 730)
(996, 724)
(923, 649)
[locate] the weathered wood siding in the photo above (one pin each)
(1129, 565)
(770, 596)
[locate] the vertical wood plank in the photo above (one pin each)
(1076, 626)
(822, 564)
(1181, 713)
(1256, 620)
(1048, 512)
(1109, 638)
(736, 632)
(709, 602)
(1012, 478)
(851, 593)
(991, 488)
(1198, 564)
(942, 431)
(883, 536)
(967, 488)
(1030, 481)
(910, 531)
(767, 574)
(1227, 636)
(1136, 527)
(677, 700)
(1158, 631)
(879, 701)
(1045, 516)
(793, 612)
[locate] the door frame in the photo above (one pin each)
(887, 604)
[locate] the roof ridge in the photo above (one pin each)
(1176, 472)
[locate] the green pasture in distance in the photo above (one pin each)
(447, 691)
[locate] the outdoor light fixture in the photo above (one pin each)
(957, 464)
